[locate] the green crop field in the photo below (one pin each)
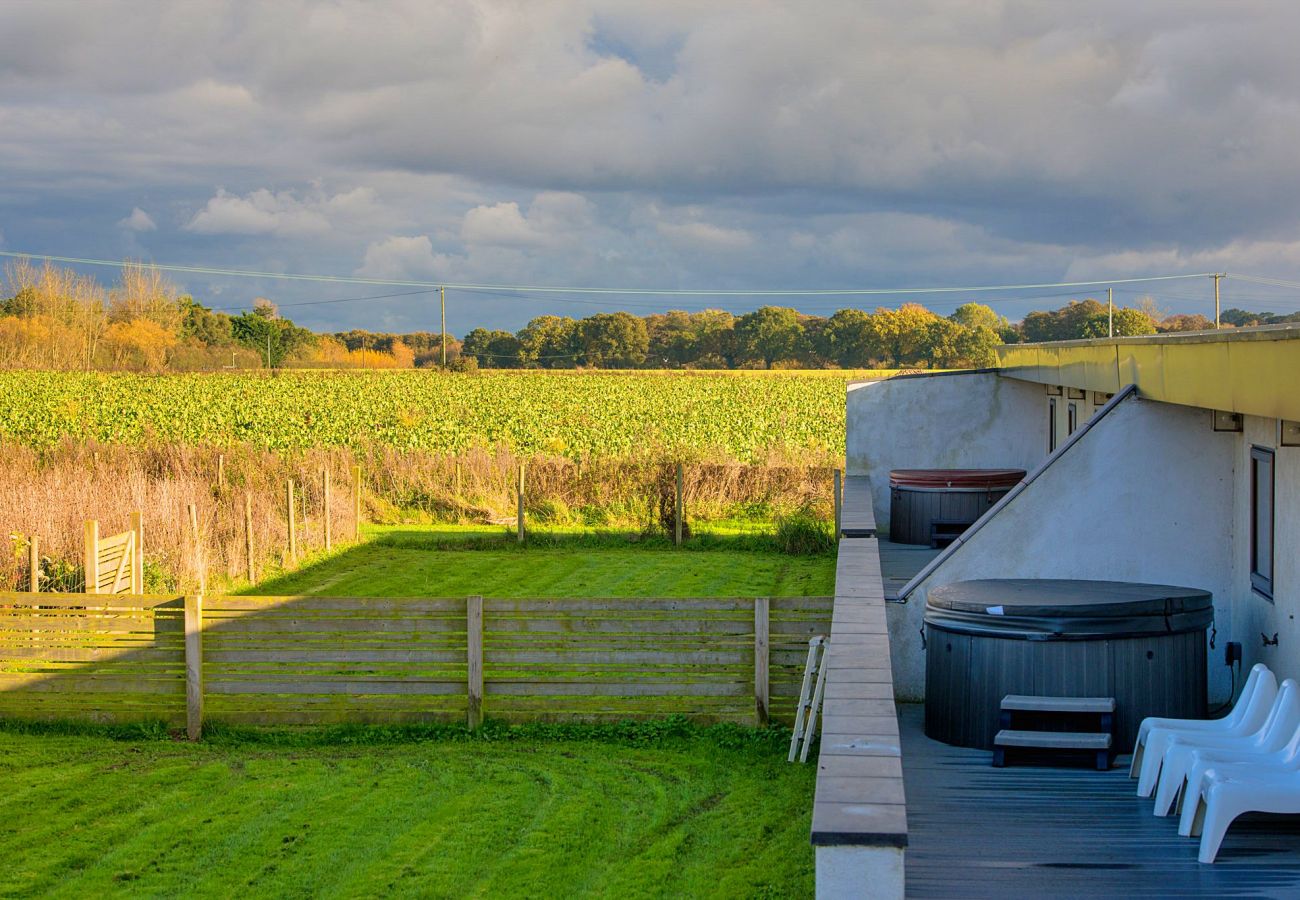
(744, 416)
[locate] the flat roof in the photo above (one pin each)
(1253, 371)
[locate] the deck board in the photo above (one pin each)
(1034, 831)
(900, 562)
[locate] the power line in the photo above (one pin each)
(1276, 282)
(322, 302)
(665, 292)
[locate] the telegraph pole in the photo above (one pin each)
(442, 300)
(1110, 312)
(1216, 278)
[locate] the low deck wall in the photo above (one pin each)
(859, 825)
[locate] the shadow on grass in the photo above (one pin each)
(453, 538)
(666, 732)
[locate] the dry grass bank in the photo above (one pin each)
(50, 493)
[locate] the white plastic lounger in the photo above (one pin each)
(1285, 760)
(1184, 749)
(1224, 797)
(1206, 725)
(1255, 711)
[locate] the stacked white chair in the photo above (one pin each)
(1254, 705)
(1248, 761)
(1225, 795)
(1204, 725)
(1209, 769)
(1185, 751)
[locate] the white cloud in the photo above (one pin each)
(672, 142)
(280, 212)
(553, 217)
(400, 257)
(702, 235)
(139, 220)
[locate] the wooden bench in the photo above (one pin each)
(1098, 742)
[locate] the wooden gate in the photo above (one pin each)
(115, 565)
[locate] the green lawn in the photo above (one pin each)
(452, 562)
(647, 810)
(689, 816)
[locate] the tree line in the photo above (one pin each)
(56, 318)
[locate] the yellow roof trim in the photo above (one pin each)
(1254, 371)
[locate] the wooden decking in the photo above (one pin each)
(899, 562)
(1032, 831)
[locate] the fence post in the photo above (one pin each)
(677, 515)
(33, 566)
(520, 492)
(457, 495)
(474, 657)
(248, 536)
(137, 559)
(839, 504)
(356, 503)
(193, 666)
(293, 530)
(762, 682)
(329, 543)
(92, 557)
(198, 548)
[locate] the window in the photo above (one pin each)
(1051, 424)
(1261, 520)
(1072, 418)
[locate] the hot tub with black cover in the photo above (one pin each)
(1143, 644)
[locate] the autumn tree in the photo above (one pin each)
(492, 349)
(613, 340)
(550, 342)
(973, 315)
(850, 339)
(902, 334)
(769, 335)
(263, 330)
(1185, 322)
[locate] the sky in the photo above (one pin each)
(665, 144)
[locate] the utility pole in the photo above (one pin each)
(1110, 312)
(442, 301)
(1216, 278)
(268, 349)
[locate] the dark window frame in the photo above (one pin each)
(1261, 570)
(1071, 418)
(1051, 424)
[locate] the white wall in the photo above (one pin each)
(1252, 614)
(969, 420)
(1146, 495)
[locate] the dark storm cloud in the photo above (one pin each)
(667, 144)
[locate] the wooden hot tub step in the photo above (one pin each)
(1097, 742)
(1083, 705)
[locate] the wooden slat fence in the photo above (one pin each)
(106, 657)
(319, 660)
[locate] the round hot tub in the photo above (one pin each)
(934, 506)
(1143, 644)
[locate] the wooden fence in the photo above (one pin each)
(319, 660)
